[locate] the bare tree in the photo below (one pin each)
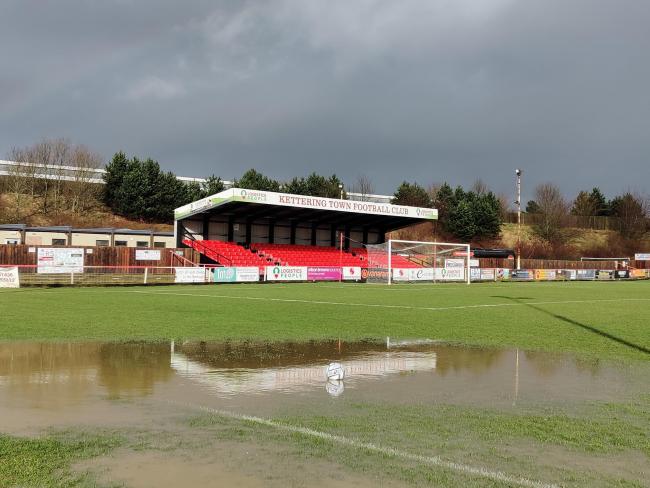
(18, 185)
(553, 210)
(81, 192)
(631, 210)
(363, 186)
(480, 187)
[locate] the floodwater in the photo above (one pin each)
(58, 384)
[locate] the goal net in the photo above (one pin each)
(398, 261)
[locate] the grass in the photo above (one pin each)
(46, 461)
(589, 318)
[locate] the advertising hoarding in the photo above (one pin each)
(286, 273)
(323, 273)
(190, 275)
(56, 260)
(352, 273)
(244, 274)
(147, 254)
(487, 274)
(642, 256)
(9, 278)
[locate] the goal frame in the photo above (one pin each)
(468, 279)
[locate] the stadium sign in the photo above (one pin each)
(236, 275)
(57, 260)
(323, 273)
(301, 201)
(189, 275)
(286, 273)
(642, 256)
(9, 278)
(352, 273)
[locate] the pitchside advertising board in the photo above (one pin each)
(60, 260)
(642, 256)
(286, 273)
(323, 273)
(245, 274)
(190, 275)
(428, 274)
(9, 278)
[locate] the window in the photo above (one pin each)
(159, 244)
(142, 244)
(59, 242)
(101, 242)
(120, 243)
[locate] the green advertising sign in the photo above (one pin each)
(225, 275)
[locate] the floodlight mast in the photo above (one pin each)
(518, 202)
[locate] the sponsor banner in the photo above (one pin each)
(545, 274)
(450, 274)
(412, 274)
(522, 275)
(374, 274)
(475, 274)
(352, 273)
(236, 275)
(454, 263)
(60, 260)
(301, 201)
(286, 273)
(487, 274)
(638, 273)
(503, 274)
(323, 273)
(622, 274)
(147, 254)
(9, 278)
(190, 275)
(474, 263)
(586, 274)
(642, 256)
(566, 274)
(602, 274)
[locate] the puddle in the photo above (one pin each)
(51, 384)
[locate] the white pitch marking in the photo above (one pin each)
(379, 305)
(386, 451)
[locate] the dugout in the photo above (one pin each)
(250, 216)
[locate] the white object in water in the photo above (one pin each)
(335, 372)
(335, 388)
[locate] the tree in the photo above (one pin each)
(411, 194)
(364, 187)
(480, 187)
(486, 210)
(114, 176)
(584, 205)
(631, 211)
(532, 207)
(553, 211)
(254, 180)
(600, 202)
(460, 221)
(81, 192)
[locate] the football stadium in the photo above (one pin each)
(284, 330)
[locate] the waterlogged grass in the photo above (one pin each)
(602, 445)
(46, 461)
(597, 319)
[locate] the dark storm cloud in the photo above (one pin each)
(425, 90)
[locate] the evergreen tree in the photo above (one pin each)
(254, 180)
(532, 207)
(460, 221)
(411, 194)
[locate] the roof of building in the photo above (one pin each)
(98, 230)
(253, 204)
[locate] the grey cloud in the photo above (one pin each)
(425, 90)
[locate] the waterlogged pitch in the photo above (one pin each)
(509, 384)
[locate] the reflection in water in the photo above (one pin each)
(58, 374)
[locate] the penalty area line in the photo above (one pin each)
(435, 461)
(382, 305)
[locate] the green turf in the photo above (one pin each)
(605, 319)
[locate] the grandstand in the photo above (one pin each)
(239, 227)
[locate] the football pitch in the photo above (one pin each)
(496, 384)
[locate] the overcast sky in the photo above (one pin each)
(418, 90)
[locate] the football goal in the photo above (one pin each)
(399, 261)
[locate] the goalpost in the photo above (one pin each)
(418, 261)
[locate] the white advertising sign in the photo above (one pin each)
(60, 260)
(474, 263)
(190, 275)
(147, 254)
(412, 274)
(475, 274)
(352, 273)
(487, 274)
(642, 256)
(249, 273)
(450, 274)
(454, 263)
(286, 273)
(9, 278)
